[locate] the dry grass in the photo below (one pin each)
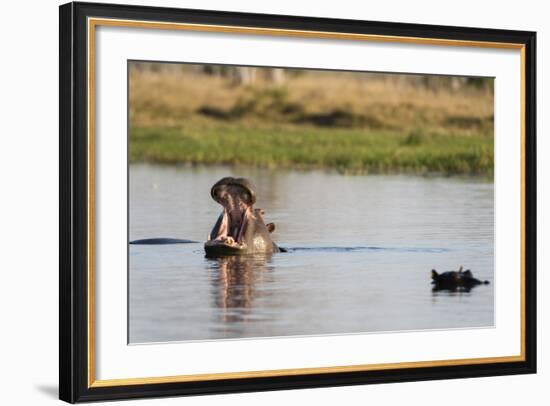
(353, 122)
(169, 98)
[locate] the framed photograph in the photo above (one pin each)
(257, 202)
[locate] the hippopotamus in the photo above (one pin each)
(455, 280)
(240, 228)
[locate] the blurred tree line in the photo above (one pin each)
(245, 76)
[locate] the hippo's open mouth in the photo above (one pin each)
(240, 229)
(237, 196)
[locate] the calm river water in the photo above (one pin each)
(360, 253)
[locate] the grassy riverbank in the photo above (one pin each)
(349, 122)
(344, 150)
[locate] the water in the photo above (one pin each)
(360, 253)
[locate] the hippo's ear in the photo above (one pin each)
(270, 227)
(467, 272)
(434, 274)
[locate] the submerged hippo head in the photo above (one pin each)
(461, 280)
(240, 228)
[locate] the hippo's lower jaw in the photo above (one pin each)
(224, 246)
(226, 239)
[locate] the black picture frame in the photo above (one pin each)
(74, 385)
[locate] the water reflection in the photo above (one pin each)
(451, 290)
(235, 283)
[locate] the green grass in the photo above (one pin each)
(302, 147)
